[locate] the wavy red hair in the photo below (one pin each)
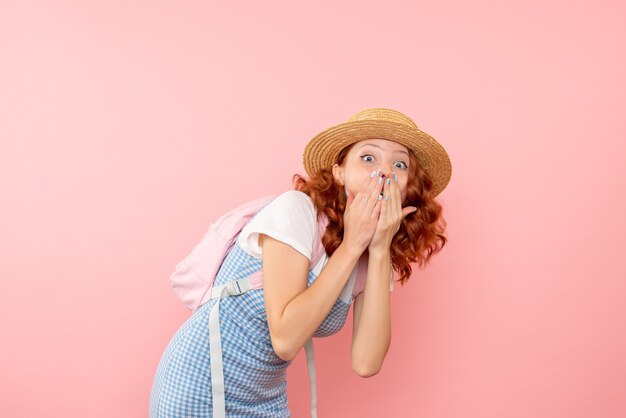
(421, 233)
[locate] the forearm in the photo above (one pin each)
(373, 335)
(305, 313)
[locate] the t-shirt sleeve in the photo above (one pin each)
(290, 218)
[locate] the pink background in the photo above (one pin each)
(126, 127)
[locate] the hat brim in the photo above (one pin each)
(323, 149)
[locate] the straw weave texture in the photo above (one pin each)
(382, 123)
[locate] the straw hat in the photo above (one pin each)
(323, 149)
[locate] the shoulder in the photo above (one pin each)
(296, 197)
(292, 202)
(290, 217)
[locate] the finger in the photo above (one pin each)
(396, 196)
(378, 202)
(377, 209)
(384, 207)
(391, 213)
(376, 212)
(367, 190)
(387, 196)
(378, 187)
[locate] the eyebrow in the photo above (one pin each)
(374, 145)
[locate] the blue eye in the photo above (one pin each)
(366, 155)
(403, 164)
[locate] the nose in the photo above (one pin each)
(385, 171)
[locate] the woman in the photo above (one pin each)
(372, 186)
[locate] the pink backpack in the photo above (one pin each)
(194, 275)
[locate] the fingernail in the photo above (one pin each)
(380, 180)
(373, 174)
(386, 197)
(388, 181)
(395, 177)
(380, 197)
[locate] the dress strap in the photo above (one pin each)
(310, 362)
(235, 288)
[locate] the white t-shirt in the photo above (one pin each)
(290, 218)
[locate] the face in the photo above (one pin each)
(373, 154)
